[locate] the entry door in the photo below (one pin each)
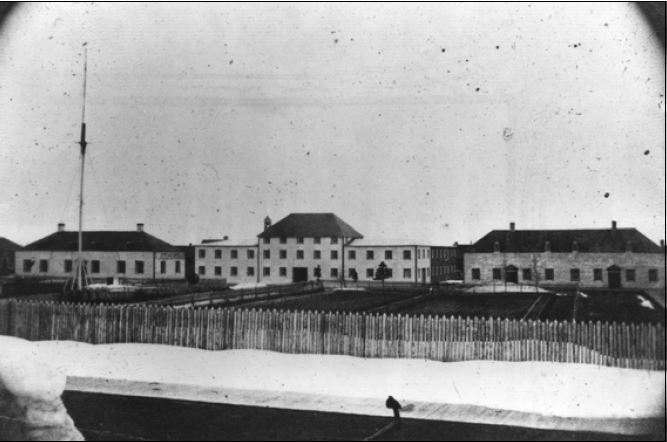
(299, 274)
(423, 276)
(511, 274)
(614, 277)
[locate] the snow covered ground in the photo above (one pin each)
(556, 389)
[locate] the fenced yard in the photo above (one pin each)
(355, 334)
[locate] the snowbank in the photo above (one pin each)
(556, 389)
(503, 287)
(248, 285)
(30, 390)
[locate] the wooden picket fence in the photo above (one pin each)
(341, 333)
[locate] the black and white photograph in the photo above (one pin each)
(350, 221)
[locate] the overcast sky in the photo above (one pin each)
(437, 122)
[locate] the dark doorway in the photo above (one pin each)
(511, 274)
(614, 277)
(299, 274)
(423, 276)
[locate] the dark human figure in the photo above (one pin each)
(394, 405)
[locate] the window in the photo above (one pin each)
(527, 274)
(177, 267)
(267, 254)
(234, 254)
(653, 275)
(283, 254)
(95, 266)
(250, 253)
(351, 272)
(68, 265)
(630, 274)
(266, 271)
(407, 254)
(334, 254)
(351, 254)
(497, 273)
(597, 274)
(218, 254)
(475, 274)
(574, 275)
(370, 273)
(120, 267)
(202, 253)
(407, 273)
(299, 239)
(388, 254)
(334, 273)
(299, 254)
(370, 255)
(549, 274)
(233, 271)
(390, 272)
(217, 270)
(250, 271)
(202, 270)
(139, 267)
(283, 240)
(43, 265)
(163, 266)
(317, 254)
(317, 240)
(267, 240)
(334, 240)
(283, 271)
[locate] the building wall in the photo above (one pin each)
(444, 264)
(7, 260)
(268, 269)
(419, 263)
(220, 257)
(108, 264)
(291, 248)
(561, 263)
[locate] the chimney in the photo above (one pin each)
(512, 226)
(140, 227)
(267, 223)
(61, 227)
(613, 225)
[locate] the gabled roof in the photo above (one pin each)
(6, 244)
(310, 225)
(561, 241)
(103, 241)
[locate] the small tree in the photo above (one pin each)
(381, 273)
(318, 273)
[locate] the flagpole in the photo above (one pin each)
(83, 144)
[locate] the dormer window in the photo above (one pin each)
(547, 246)
(496, 246)
(628, 246)
(575, 246)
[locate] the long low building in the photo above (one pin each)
(129, 255)
(602, 258)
